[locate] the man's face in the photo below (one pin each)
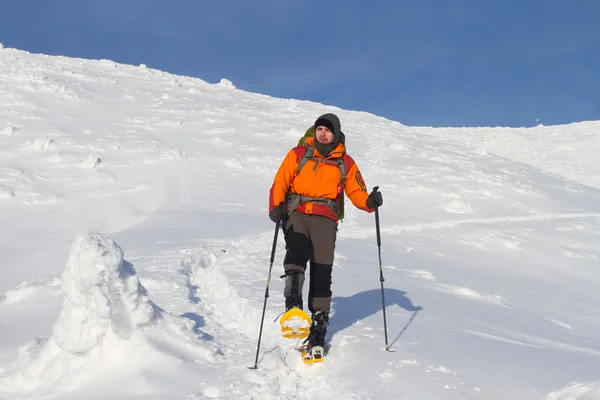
(324, 135)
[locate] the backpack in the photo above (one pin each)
(340, 162)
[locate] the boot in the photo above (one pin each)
(294, 280)
(315, 343)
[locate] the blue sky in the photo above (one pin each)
(432, 63)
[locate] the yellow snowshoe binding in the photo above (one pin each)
(313, 355)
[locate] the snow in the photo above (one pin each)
(136, 245)
(106, 319)
(577, 390)
(226, 83)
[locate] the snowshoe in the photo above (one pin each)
(313, 350)
(313, 354)
(295, 323)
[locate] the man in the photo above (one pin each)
(305, 196)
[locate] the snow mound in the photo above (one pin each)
(102, 292)
(9, 131)
(577, 391)
(6, 192)
(459, 206)
(91, 161)
(227, 83)
(42, 143)
(107, 326)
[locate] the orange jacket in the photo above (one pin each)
(324, 181)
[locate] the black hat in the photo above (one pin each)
(331, 122)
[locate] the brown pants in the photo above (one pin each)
(309, 237)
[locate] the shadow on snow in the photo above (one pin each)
(359, 306)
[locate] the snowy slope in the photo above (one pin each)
(136, 244)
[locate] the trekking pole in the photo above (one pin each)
(387, 348)
(267, 292)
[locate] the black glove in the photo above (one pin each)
(278, 214)
(375, 199)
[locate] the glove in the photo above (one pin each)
(375, 199)
(278, 214)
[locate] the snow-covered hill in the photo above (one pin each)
(135, 247)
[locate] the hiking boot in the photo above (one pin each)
(315, 339)
(318, 331)
(314, 345)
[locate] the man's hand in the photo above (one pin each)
(278, 213)
(375, 199)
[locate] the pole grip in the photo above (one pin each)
(378, 230)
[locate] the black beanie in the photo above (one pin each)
(331, 122)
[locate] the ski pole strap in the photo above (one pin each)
(295, 199)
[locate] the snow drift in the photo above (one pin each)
(107, 319)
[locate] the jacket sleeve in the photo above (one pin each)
(356, 189)
(283, 179)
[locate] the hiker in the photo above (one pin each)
(305, 197)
